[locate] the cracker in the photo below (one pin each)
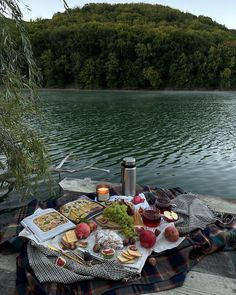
(126, 253)
(134, 253)
(122, 259)
(129, 262)
(127, 256)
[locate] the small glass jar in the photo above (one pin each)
(163, 204)
(151, 216)
(102, 191)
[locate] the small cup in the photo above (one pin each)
(151, 216)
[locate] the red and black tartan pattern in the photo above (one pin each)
(170, 271)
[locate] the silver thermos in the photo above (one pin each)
(128, 176)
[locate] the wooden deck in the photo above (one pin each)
(215, 274)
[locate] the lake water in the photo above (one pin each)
(185, 139)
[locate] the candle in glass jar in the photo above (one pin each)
(102, 192)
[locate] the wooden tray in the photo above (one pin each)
(105, 223)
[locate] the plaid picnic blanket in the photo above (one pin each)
(170, 271)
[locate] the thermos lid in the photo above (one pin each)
(129, 162)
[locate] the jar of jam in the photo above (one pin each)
(163, 204)
(151, 216)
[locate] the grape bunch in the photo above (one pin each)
(118, 213)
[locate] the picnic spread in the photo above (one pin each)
(131, 245)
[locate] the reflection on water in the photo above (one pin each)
(182, 139)
(179, 138)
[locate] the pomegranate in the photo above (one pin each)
(147, 238)
(82, 231)
(171, 233)
(137, 200)
(92, 225)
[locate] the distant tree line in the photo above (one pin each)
(133, 46)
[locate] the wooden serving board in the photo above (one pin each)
(105, 223)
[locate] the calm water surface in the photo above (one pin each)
(185, 139)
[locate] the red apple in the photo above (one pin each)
(171, 233)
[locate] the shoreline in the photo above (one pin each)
(137, 90)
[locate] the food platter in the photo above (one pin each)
(136, 263)
(119, 233)
(82, 208)
(49, 221)
(106, 223)
(45, 224)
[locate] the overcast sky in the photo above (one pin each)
(222, 11)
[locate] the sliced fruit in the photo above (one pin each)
(133, 248)
(60, 262)
(170, 216)
(82, 244)
(96, 248)
(175, 216)
(108, 253)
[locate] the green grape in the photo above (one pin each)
(118, 213)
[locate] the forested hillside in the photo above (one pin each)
(134, 46)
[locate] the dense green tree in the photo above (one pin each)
(134, 46)
(152, 76)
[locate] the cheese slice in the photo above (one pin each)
(138, 221)
(73, 215)
(65, 239)
(71, 236)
